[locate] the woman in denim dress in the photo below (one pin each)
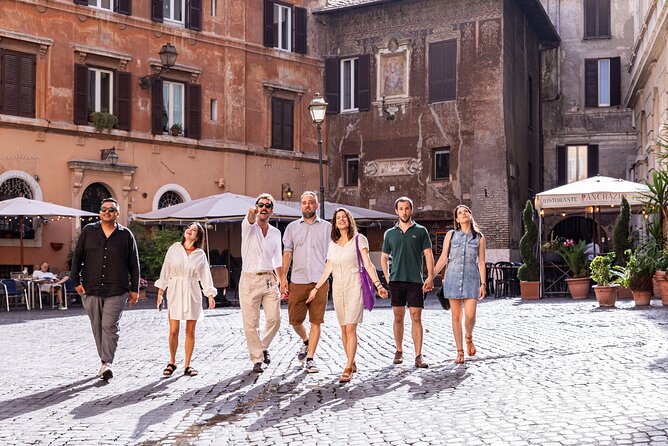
(463, 257)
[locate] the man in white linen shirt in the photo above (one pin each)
(260, 272)
(305, 243)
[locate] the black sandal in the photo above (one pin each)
(169, 370)
(190, 371)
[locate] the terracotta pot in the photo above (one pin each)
(656, 289)
(624, 293)
(606, 295)
(579, 287)
(641, 298)
(660, 277)
(529, 290)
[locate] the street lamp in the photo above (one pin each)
(318, 108)
(109, 154)
(168, 55)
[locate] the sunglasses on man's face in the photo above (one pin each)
(264, 205)
(103, 210)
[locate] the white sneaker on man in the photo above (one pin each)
(105, 372)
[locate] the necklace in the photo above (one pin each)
(190, 249)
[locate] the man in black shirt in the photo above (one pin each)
(105, 269)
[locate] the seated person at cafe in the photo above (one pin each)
(48, 282)
(592, 250)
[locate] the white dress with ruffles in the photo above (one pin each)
(181, 274)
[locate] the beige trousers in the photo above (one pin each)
(255, 290)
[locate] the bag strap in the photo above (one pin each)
(447, 254)
(359, 254)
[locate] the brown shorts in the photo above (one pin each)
(297, 305)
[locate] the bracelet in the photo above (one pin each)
(376, 282)
(482, 284)
(316, 289)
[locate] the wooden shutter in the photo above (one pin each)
(615, 81)
(269, 23)
(363, 83)
(288, 124)
(450, 70)
(436, 89)
(590, 18)
(124, 7)
(156, 107)
(194, 111)
(332, 84)
(300, 30)
(561, 165)
(603, 17)
(17, 84)
(156, 10)
(592, 160)
(80, 94)
(194, 15)
(123, 102)
(591, 83)
(81, 2)
(276, 115)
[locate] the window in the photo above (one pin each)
(576, 162)
(281, 31)
(92, 196)
(169, 198)
(120, 6)
(348, 84)
(352, 168)
(11, 227)
(282, 123)
(602, 82)
(596, 18)
(17, 83)
(441, 160)
(100, 90)
(213, 108)
(186, 13)
(173, 99)
(443, 71)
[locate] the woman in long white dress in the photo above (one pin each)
(184, 268)
(343, 265)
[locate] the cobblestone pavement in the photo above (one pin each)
(554, 372)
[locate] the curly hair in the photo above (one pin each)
(352, 228)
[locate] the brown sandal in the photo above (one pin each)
(471, 350)
(169, 370)
(460, 357)
(347, 375)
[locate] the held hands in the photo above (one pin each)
(428, 284)
(382, 292)
(285, 288)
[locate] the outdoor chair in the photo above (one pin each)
(503, 279)
(68, 290)
(489, 280)
(11, 292)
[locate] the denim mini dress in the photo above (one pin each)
(462, 277)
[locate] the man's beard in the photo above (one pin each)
(308, 214)
(405, 219)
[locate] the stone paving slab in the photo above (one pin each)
(553, 372)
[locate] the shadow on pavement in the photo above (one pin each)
(51, 397)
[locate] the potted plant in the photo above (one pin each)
(103, 121)
(529, 271)
(637, 275)
(176, 129)
(601, 272)
(661, 265)
(576, 259)
(621, 242)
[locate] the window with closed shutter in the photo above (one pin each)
(596, 19)
(282, 123)
(602, 82)
(17, 83)
(442, 71)
(284, 27)
(349, 82)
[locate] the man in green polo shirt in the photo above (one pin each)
(408, 243)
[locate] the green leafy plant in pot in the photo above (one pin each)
(601, 272)
(529, 271)
(574, 254)
(637, 275)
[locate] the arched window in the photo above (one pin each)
(9, 227)
(169, 198)
(92, 197)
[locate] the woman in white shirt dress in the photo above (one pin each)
(343, 265)
(184, 268)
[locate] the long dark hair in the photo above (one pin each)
(474, 226)
(352, 226)
(200, 235)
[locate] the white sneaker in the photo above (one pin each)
(311, 367)
(106, 373)
(303, 350)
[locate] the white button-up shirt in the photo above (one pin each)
(259, 253)
(308, 244)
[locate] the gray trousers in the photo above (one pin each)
(104, 314)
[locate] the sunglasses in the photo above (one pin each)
(103, 210)
(264, 205)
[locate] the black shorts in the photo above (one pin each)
(406, 293)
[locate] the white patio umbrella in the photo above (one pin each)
(25, 208)
(361, 215)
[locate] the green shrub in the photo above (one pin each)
(621, 239)
(601, 269)
(530, 269)
(153, 244)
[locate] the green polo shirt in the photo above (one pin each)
(407, 251)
